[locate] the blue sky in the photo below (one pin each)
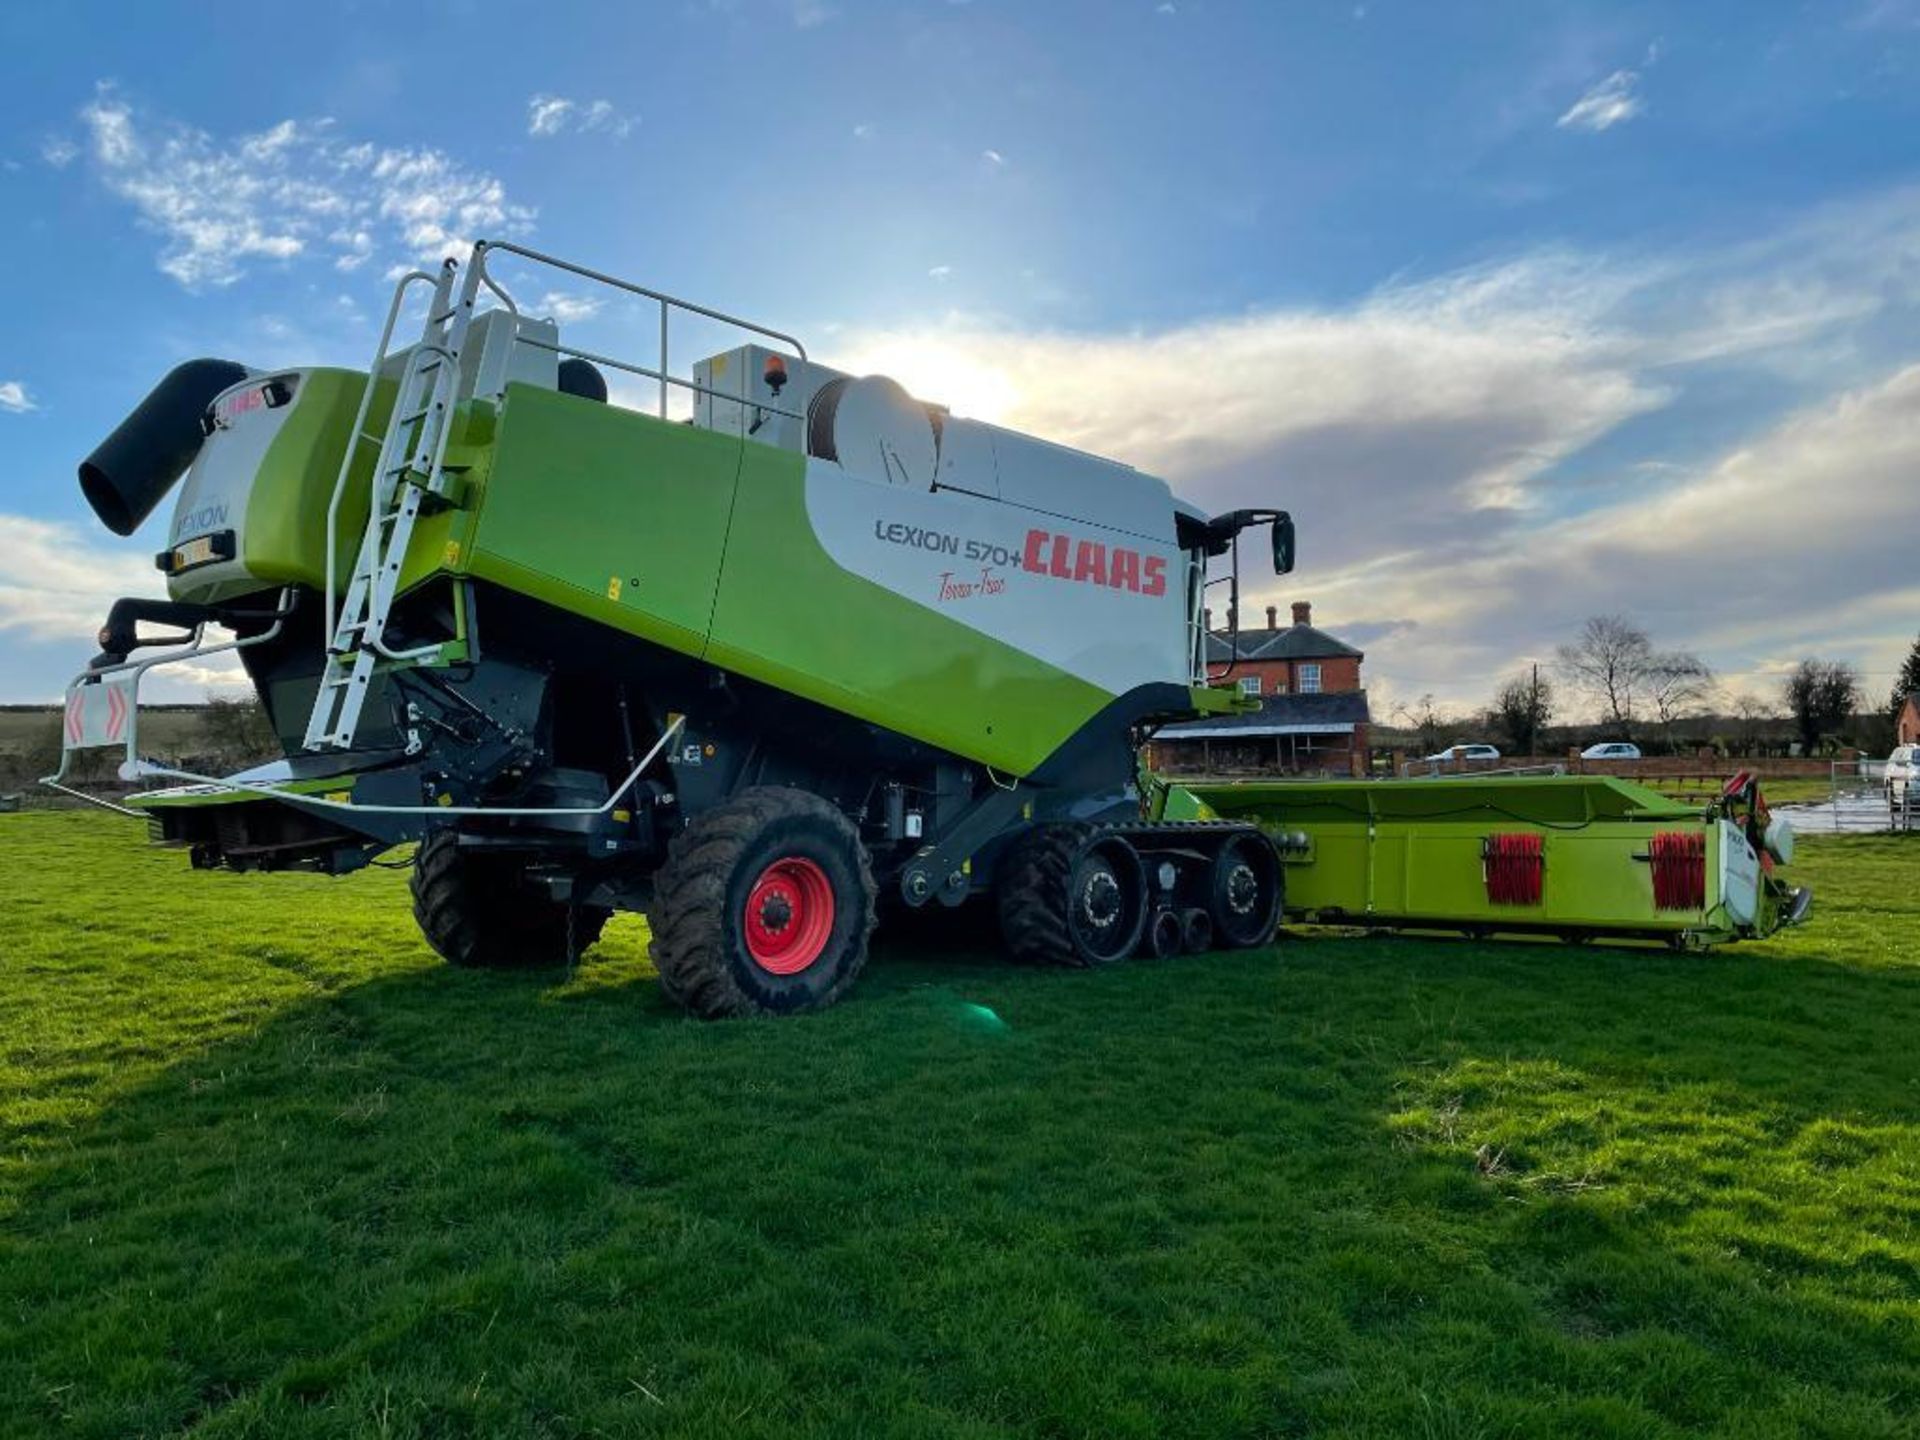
(1527, 310)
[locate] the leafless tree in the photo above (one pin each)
(1434, 725)
(1678, 685)
(1751, 713)
(236, 729)
(1609, 663)
(1521, 709)
(1820, 695)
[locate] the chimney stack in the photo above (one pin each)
(1206, 619)
(1233, 617)
(1273, 617)
(1302, 612)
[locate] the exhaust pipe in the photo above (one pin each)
(131, 470)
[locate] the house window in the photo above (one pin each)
(1309, 678)
(1249, 684)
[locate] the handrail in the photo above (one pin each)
(632, 369)
(320, 802)
(137, 669)
(667, 303)
(482, 248)
(359, 433)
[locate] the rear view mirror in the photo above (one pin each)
(1282, 543)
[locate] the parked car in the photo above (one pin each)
(1455, 753)
(1611, 750)
(1903, 769)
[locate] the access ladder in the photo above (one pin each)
(409, 468)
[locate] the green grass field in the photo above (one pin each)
(270, 1169)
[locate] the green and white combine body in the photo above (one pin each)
(814, 651)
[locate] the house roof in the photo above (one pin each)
(1287, 642)
(1335, 713)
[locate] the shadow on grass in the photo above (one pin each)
(1385, 1186)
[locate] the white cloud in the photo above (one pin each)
(59, 152)
(286, 193)
(1779, 548)
(550, 115)
(863, 132)
(602, 116)
(1500, 372)
(939, 272)
(547, 114)
(1436, 442)
(993, 158)
(14, 398)
(566, 308)
(56, 582)
(1607, 104)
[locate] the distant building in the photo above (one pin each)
(1906, 725)
(1313, 714)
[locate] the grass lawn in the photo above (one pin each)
(1792, 790)
(270, 1169)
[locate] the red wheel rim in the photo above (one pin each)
(789, 916)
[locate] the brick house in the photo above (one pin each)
(1906, 725)
(1313, 714)
(1291, 659)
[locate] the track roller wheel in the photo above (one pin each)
(763, 906)
(475, 913)
(1165, 935)
(1072, 895)
(1244, 892)
(1196, 931)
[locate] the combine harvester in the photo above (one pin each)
(814, 651)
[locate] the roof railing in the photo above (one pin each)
(662, 373)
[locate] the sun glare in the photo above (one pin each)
(942, 373)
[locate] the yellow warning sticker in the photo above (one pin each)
(613, 587)
(451, 555)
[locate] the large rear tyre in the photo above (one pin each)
(1072, 895)
(764, 906)
(475, 914)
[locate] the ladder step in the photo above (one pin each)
(414, 432)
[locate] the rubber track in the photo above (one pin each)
(473, 918)
(1033, 896)
(688, 919)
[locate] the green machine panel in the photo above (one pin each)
(1567, 855)
(612, 514)
(789, 614)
